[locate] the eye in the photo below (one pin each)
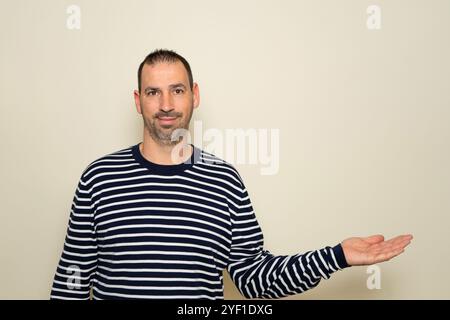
(178, 91)
(151, 93)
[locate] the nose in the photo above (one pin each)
(166, 104)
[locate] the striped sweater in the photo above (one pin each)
(140, 230)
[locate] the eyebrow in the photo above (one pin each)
(172, 86)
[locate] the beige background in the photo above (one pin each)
(363, 118)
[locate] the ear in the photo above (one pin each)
(196, 95)
(137, 101)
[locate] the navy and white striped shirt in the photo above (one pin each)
(140, 230)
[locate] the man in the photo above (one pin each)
(163, 219)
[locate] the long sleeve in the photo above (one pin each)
(259, 274)
(78, 261)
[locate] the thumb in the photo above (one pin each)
(375, 239)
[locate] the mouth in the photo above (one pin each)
(166, 120)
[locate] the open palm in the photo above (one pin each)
(370, 250)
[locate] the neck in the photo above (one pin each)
(165, 154)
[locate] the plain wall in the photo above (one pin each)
(363, 118)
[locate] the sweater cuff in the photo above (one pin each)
(340, 257)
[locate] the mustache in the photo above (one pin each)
(168, 114)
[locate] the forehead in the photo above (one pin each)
(164, 73)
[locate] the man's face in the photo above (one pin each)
(166, 101)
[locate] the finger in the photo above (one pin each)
(389, 248)
(399, 239)
(398, 245)
(386, 256)
(403, 244)
(394, 240)
(376, 238)
(406, 237)
(396, 248)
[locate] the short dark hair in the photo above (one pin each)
(164, 55)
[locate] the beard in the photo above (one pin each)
(166, 135)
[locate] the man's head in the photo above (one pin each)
(166, 95)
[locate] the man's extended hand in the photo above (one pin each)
(373, 249)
